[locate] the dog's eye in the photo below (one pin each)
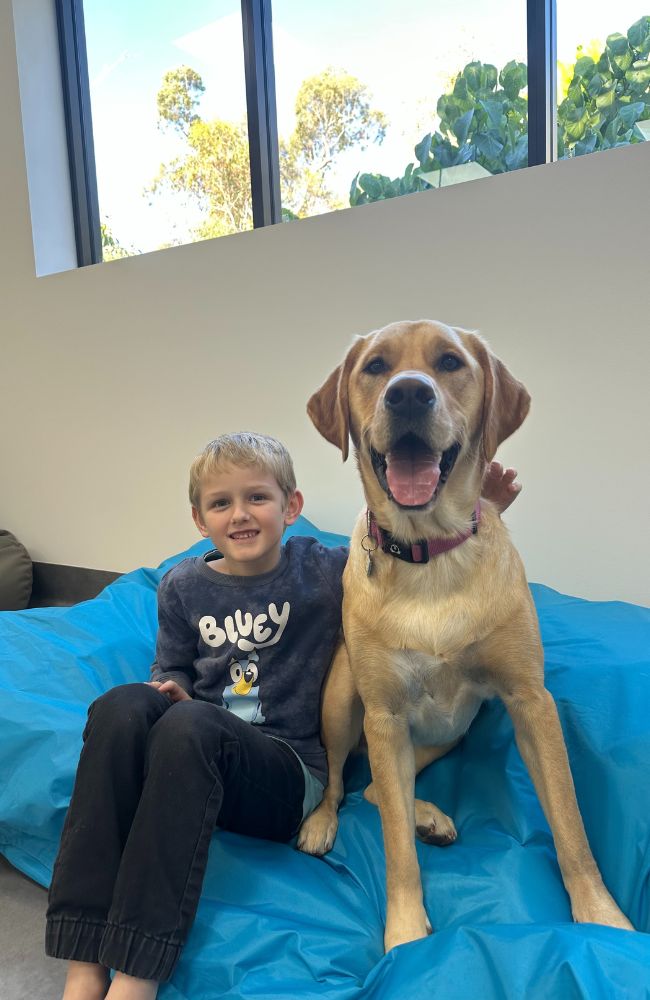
(449, 363)
(376, 367)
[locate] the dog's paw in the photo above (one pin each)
(318, 833)
(432, 826)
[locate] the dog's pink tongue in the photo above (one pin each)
(412, 478)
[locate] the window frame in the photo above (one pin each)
(542, 81)
(257, 28)
(261, 112)
(79, 131)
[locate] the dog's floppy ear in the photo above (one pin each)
(329, 408)
(506, 400)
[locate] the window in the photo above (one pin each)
(376, 86)
(168, 99)
(374, 100)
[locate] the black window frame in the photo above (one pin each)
(257, 29)
(542, 81)
(79, 131)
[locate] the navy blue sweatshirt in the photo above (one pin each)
(258, 645)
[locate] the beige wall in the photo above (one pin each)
(113, 376)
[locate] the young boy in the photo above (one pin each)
(226, 733)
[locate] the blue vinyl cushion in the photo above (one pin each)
(273, 923)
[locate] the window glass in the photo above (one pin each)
(603, 76)
(169, 121)
(374, 100)
(399, 96)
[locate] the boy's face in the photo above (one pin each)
(244, 513)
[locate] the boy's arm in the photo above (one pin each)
(176, 644)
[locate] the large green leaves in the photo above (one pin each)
(377, 187)
(513, 78)
(639, 74)
(482, 119)
(484, 116)
(606, 99)
(638, 36)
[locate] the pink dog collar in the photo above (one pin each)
(420, 551)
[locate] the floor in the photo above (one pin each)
(25, 971)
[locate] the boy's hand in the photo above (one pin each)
(499, 486)
(173, 690)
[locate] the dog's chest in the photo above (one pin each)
(439, 702)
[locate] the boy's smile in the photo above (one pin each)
(244, 513)
(242, 536)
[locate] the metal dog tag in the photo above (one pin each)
(369, 544)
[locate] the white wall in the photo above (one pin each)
(114, 376)
(48, 170)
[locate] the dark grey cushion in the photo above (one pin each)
(15, 573)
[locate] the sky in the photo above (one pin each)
(404, 57)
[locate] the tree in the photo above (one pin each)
(333, 114)
(178, 97)
(215, 173)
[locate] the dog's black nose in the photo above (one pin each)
(409, 394)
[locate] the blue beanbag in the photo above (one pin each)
(278, 924)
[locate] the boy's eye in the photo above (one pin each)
(220, 503)
(258, 497)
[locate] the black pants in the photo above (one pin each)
(154, 779)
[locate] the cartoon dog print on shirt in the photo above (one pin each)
(242, 697)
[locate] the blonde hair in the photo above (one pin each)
(243, 449)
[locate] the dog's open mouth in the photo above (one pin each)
(411, 473)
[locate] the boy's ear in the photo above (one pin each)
(196, 516)
(294, 507)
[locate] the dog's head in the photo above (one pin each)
(421, 401)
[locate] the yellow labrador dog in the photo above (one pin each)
(437, 613)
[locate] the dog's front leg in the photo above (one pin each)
(541, 744)
(392, 764)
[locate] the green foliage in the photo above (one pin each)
(178, 97)
(485, 117)
(378, 187)
(607, 97)
(333, 114)
(112, 249)
(215, 173)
